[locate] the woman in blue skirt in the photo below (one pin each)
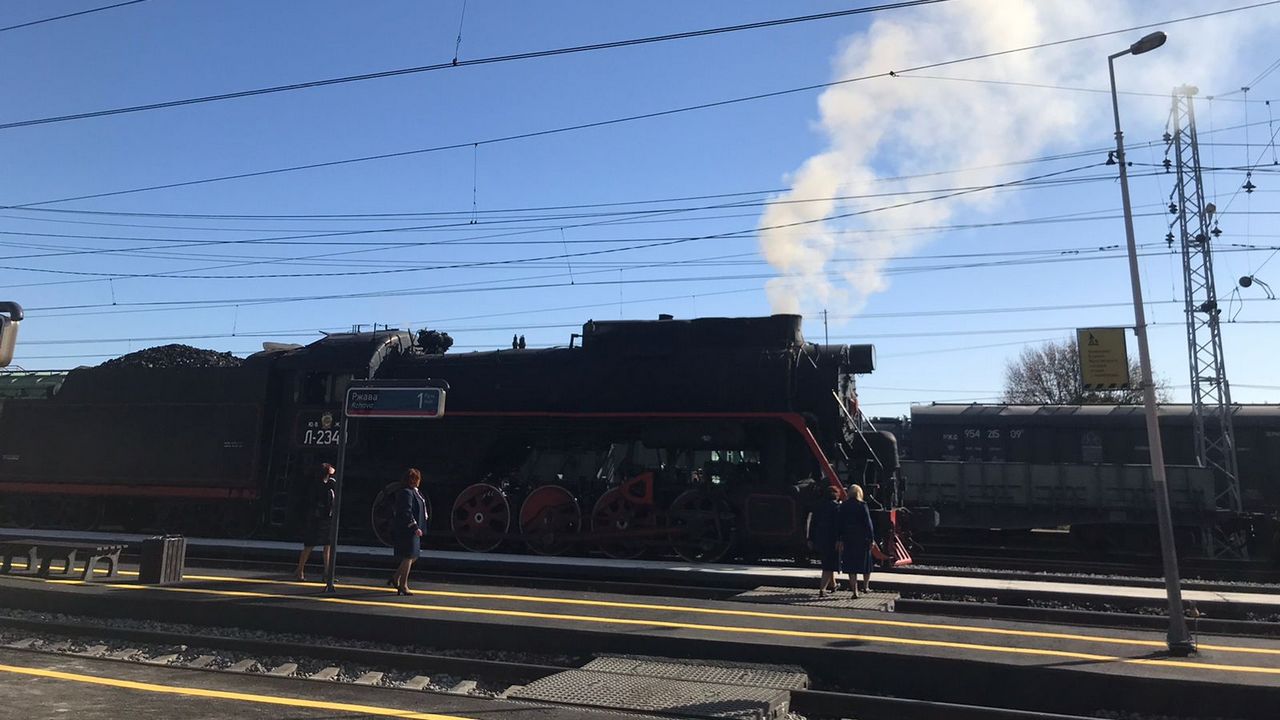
(856, 535)
(407, 528)
(825, 537)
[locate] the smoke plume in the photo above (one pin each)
(909, 125)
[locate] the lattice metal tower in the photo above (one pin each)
(1210, 393)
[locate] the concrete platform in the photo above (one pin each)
(46, 686)
(841, 599)
(738, 577)
(1027, 665)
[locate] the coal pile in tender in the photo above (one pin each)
(175, 355)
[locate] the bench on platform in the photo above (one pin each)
(42, 554)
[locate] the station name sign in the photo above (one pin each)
(395, 402)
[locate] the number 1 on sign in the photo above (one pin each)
(421, 400)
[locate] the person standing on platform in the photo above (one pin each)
(319, 518)
(825, 537)
(857, 535)
(407, 528)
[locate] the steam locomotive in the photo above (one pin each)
(707, 438)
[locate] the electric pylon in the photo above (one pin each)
(1211, 406)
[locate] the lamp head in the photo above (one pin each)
(1148, 43)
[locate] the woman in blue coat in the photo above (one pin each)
(857, 534)
(825, 537)
(407, 527)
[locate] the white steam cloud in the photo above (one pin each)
(907, 125)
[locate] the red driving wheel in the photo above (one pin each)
(549, 519)
(616, 521)
(481, 517)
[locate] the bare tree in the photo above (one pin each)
(1050, 375)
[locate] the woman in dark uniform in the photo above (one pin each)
(857, 535)
(407, 528)
(824, 537)
(319, 519)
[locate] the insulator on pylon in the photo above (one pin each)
(1216, 231)
(1173, 209)
(1169, 239)
(1111, 157)
(1249, 186)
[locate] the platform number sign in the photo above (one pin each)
(1104, 359)
(393, 402)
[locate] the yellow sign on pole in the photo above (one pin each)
(1104, 360)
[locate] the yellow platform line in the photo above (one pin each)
(225, 694)
(723, 629)
(614, 604)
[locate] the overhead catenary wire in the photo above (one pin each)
(68, 16)
(547, 208)
(498, 286)
(647, 244)
(566, 326)
(1049, 86)
(443, 324)
(631, 118)
(320, 238)
(617, 44)
(457, 63)
(589, 253)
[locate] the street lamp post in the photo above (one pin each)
(1179, 640)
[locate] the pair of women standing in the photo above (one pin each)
(842, 535)
(409, 523)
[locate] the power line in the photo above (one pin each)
(543, 208)
(68, 15)
(509, 261)
(529, 283)
(307, 332)
(1047, 86)
(618, 120)
(318, 238)
(455, 63)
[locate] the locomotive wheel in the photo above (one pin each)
(702, 526)
(549, 518)
(240, 523)
(21, 511)
(481, 517)
(138, 516)
(77, 514)
(614, 516)
(384, 509)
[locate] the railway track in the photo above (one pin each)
(1053, 559)
(322, 660)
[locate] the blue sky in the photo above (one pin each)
(942, 326)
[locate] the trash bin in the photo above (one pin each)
(162, 560)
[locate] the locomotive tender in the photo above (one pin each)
(706, 437)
